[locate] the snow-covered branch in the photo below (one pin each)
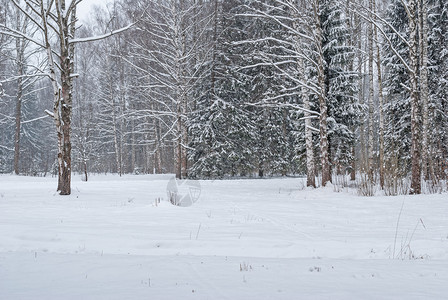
(313, 128)
(283, 105)
(35, 119)
(100, 37)
(14, 78)
(6, 148)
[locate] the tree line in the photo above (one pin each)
(216, 89)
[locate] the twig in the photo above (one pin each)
(396, 228)
(199, 228)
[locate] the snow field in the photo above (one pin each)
(244, 239)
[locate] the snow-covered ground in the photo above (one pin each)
(243, 239)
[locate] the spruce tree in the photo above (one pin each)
(438, 85)
(343, 110)
(397, 106)
(220, 128)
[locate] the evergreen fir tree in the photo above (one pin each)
(438, 85)
(220, 127)
(397, 106)
(343, 109)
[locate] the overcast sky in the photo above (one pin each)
(84, 8)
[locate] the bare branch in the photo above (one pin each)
(100, 37)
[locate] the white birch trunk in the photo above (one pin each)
(20, 64)
(324, 155)
(381, 101)
(310, 166)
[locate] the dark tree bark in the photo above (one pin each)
(415, 103)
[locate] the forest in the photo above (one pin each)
(212, 89)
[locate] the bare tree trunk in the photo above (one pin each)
(423, 30)
(20, 68)
(184, 103)
(133, 158)
(56, 20)
(180, 92)
(184, 139)
(158, 142)
(351, 23)
(361, 72)
(353, 170)
(415, 130)
(310, 164)
(371, 95)
(178, 144)
(115, 132)
(178, 157)
(324, 154)
(67, 66)
(122, 118)
(121, 140)
(215, 45)
(157, 153)
(85, 169)
(310, 167)
(148, 153)
(18, 121)
(381, 101)
(116, 142)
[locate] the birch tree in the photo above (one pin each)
(113, 92)
(55, 18)
(411, 10)
(85, 111)
(380, 97)
(6, 148)
(371, 95)
(3, 42)
(427, 166)
(22, 25)
(169, 66)
(56, 23)
(415, 64)
(22, 79)
(438, 86)
(307, 17)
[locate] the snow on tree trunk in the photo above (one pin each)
(310, 175)
(116, 138)
(66, 62)
(310, 166)
(361, 72)
(324, 155)
(380, 99)
(158, 142)
(133, 142)
(20, 53)
(371, 95)
(424, 93)
(415, 103)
